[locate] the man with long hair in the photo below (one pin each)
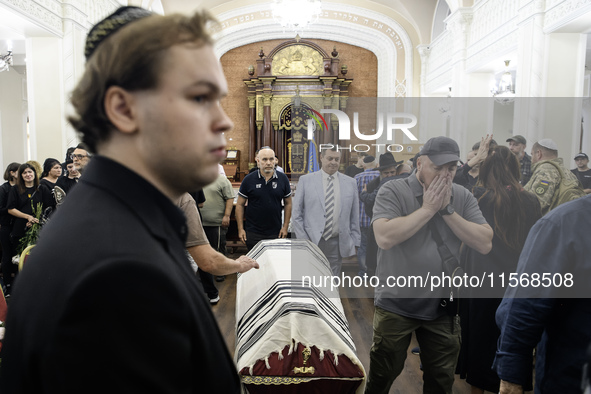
(511, 212)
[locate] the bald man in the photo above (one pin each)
(267, 192)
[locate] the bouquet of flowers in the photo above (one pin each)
(30, 237)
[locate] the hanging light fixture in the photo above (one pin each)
(505, 87)
(446, 106)
(5, 61)
(296, 15)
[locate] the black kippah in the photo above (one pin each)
(111, 24)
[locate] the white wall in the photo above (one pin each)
(12, 118)
(46, 97)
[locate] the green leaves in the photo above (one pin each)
(30, 237)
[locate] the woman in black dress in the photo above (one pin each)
(8, 269)
(52, 169)
(23, 198)
(511, 212)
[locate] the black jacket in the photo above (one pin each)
(108, 303)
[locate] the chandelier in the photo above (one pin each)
(296, 15)
(504, 92)
(5, 61)
(445, 108)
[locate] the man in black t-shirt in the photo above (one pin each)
(583, 172)
(265, 190)
(356, 168)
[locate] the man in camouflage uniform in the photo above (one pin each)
(545, 178)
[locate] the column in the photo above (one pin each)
(252, 128)
(331, 135)
(459, 24)
(13, 118)
(530, 74)
(267, 126)
(424, 52)
(46, 96)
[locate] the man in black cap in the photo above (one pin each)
(407, 212)
(517, 145)
(389, 170)
(122, 310)
(583, 172)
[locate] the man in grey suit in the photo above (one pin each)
(325, 211)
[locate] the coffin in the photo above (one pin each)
(292, 337)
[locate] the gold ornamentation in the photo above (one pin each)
(298, 60)
(310, 370)
(274, 380)
(279, 105)
(297, 153)
(267, 97)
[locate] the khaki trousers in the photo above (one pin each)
(438, 339)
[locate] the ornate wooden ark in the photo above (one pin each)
(292, 84)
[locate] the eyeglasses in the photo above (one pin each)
(79, 157)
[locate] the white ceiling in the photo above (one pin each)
(14, 28)
(13, 31)
(418, 12)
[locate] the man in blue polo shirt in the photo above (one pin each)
(265, 189)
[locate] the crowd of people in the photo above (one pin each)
(479, 213)
(122, 308)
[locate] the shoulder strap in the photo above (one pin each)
(557, 169)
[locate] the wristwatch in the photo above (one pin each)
(448, 210)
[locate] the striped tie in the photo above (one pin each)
(329, 207)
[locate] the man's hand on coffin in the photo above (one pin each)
(283, 233)
(245, 264)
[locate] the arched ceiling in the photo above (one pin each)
(419, 13)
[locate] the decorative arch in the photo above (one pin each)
(354, 25)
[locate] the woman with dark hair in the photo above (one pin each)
(23, 198)
(511, 212)
(52, 169)
(8, 268)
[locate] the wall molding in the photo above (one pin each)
(348, 24)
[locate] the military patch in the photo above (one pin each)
(542, 187)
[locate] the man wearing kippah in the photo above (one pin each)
(548, 172)
(583, 172)
(122, 310)
(517, 145)
(406, 215)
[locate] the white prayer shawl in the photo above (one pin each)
(274, 310)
